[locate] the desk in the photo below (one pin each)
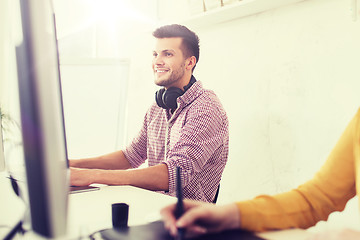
(91, 211)
(88, 211)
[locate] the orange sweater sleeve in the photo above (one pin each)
(328, 191)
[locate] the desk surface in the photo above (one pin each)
(91, 211)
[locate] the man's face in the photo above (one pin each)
(168, 62)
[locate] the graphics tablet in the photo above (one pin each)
(156, 231)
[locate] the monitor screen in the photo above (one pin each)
(42, 121)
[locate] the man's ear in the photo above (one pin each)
(190, 63)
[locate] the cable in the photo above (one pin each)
(18, 228)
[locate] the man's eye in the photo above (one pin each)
(168, 54)
(154, 54)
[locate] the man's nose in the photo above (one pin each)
(158, 60)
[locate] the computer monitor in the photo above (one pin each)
(42, 121)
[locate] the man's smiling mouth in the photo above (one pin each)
(161, 70)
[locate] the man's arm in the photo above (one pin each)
(115, 160)
(154, 178)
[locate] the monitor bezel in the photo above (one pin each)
(42, 120)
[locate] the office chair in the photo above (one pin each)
(216, 194)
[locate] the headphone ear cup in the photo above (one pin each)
(170, 95)
(159, 98)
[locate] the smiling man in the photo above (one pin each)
(186, 127)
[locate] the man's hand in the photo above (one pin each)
(81, 176)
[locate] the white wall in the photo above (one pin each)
(289, 79)
(94, 99)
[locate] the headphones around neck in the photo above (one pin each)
(166, 98)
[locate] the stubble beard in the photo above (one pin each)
(173, 78)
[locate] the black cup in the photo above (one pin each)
(120, 214)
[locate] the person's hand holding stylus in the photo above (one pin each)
(197, 218)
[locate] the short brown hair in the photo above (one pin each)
(190, 41)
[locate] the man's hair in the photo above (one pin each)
(190, 41)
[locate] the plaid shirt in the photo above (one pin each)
(197, 140)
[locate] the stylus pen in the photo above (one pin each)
(179, 205)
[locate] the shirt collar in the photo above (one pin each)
(190, 95)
